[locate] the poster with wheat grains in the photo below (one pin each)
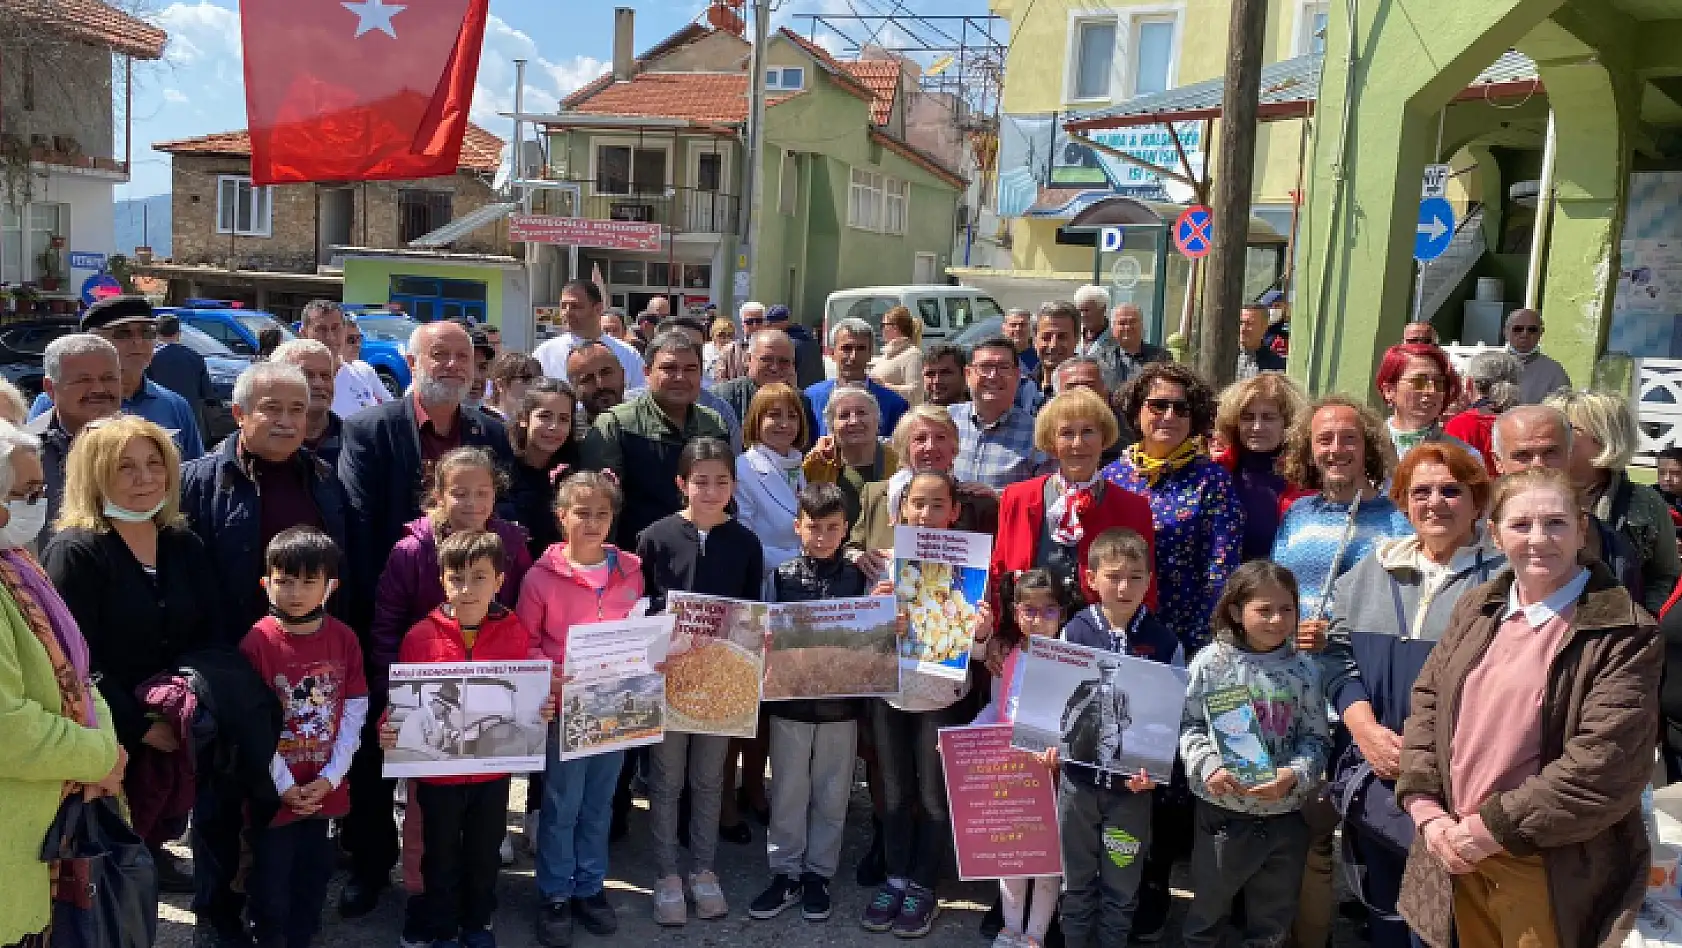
(833, 648)
(715, 664)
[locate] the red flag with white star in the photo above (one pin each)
(358, 90)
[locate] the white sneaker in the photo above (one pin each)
(1008, 939)
(709, 896)
(507, 850)
(528, 831)
(669, 907)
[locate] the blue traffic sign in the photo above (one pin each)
(1436, 229)
(1194, 231)
(81, 260)
(99, 286)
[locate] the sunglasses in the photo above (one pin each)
(1427, 383)
(1424, 492)
(1164, 407)
(1043, 613)
(1527, 330)
(753, 322)
(125, 333)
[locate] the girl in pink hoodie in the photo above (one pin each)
(581, 579)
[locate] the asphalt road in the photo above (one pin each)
(741, 869)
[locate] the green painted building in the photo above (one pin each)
(845, 197)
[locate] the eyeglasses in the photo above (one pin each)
(1527, 330)
(1167, 406)
(1424, 492)
(1426, 383)
(991, 369)
(754, 322)
(126, 333)
(1043, 613)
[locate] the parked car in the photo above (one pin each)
(944, 310)
(224, 367)
(385, 346)
(979, 330)
(232, 326)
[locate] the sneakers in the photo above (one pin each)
(709, 897)
(1005, 939)
(879, 915)
(596, 914)
(916, 913)
(669, 907)
(783, 893)
(814, 897)
(554, 924)
(478, 938)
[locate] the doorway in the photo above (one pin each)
(335, 209)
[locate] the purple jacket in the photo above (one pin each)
(410, 588)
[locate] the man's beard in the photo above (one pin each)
(440, 392)
(601, 400)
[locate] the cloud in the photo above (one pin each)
(174, 96)
(546, 83)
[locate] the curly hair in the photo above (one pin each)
(1296, 462)
(1198, 394)
(1266, 387)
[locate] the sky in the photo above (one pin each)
(198, 88)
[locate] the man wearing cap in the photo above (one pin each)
(808, 352)
(129, 323)
(581, 308)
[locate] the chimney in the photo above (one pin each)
(624, 58)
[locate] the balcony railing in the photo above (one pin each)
(680, 210)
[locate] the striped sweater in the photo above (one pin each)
(1308, 539)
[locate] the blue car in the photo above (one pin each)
(238, 329)
(385, 346)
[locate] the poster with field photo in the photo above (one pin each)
(833, 648)
(715, 664)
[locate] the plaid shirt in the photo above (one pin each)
(999, 454)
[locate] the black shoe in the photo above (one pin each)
(1151, 917)
(554, 924)
(738, 834)
(207, 935)
(596, 914)
(814, 897)
(359, 899)
(172, 875)
(783, 893)
(994, 921)
(872, 870)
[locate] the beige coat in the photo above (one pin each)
(900, 367)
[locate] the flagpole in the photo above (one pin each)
(756, 132)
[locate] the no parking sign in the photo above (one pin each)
(1194, 231)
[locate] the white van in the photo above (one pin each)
(944, 310)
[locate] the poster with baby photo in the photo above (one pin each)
(940, 577)
(1100, 708)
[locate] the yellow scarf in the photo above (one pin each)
(1155, 469)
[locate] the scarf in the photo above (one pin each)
(1525, 358)
(1153, 470)
(789, 464)
(50, 620)
(1406, 441)
(1066, 511)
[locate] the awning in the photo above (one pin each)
(463, 225)
(1289, 89)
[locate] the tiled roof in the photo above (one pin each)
(683, 37)
(831, 65)
(94, 22)
(480, 150)
(881, 77)
(697, 96)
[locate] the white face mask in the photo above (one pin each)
(26, 523)
(114, 512)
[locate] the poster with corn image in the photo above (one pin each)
(940, 577)
(715, 665)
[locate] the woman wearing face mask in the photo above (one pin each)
(1252, 419)
(133, 577)
(59, 736)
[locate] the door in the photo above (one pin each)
(335, 210)
(705, 204)
(922, 269)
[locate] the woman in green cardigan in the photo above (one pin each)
(58, 731)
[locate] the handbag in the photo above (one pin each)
(106, 890)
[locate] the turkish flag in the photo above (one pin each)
(358, 90)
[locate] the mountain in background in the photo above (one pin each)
(138, 220)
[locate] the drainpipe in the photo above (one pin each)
(1544, 218)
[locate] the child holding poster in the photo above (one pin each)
(581, 579)
(700, 549)
(1254, 739)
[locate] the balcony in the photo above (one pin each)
(679, 210)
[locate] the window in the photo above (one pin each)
(1312, 19)
(896, 198)
(864, 201)
(697, 276)
(625, 272)
(625, 169)
(242, 208)
(1152, 54)
(420, 213)
(659, 274)
(786, 79)
(26, 234)
(928, 307)
(788, 185)
(1094, 58)
(709, 172)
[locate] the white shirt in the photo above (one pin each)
(552, 355)
(355, 387)
(1538, 613)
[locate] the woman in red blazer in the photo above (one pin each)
(1050, 521)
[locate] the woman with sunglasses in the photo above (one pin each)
(1387, 613)
(1417, 382)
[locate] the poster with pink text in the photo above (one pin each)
(1003, 803)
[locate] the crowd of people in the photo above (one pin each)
(1443, 619)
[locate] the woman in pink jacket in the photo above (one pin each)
(581, 579)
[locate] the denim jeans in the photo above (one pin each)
(577, 814)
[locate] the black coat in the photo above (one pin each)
(673, 559)
(182, 371)
(380, 468)
(135, 626)
(530, 501)
(247, 715)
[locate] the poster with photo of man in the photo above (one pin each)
(467, 718)
(1103, 709)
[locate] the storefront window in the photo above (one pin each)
(697, 276)
(659, 274)
(625, 273)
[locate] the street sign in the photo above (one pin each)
(583, 232)
(1435, 184)
(1194, 231)
(1126, 273)
(86, 261)
(1436, 229)
(100, 286)
(1109, 239)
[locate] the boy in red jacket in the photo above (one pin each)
(314, 663)
(466, 817)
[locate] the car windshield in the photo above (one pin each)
(257, 323)
(386, 328)
(203, 344)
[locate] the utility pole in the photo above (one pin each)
(1217, 343)
(756, 130)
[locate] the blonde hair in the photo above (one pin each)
(767, 398)
(921, 414)
(1266, 387)
(1603, 416)
(1075, 404)
(13, 407)
(92, 466)
(721, 322)
(908, 325)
